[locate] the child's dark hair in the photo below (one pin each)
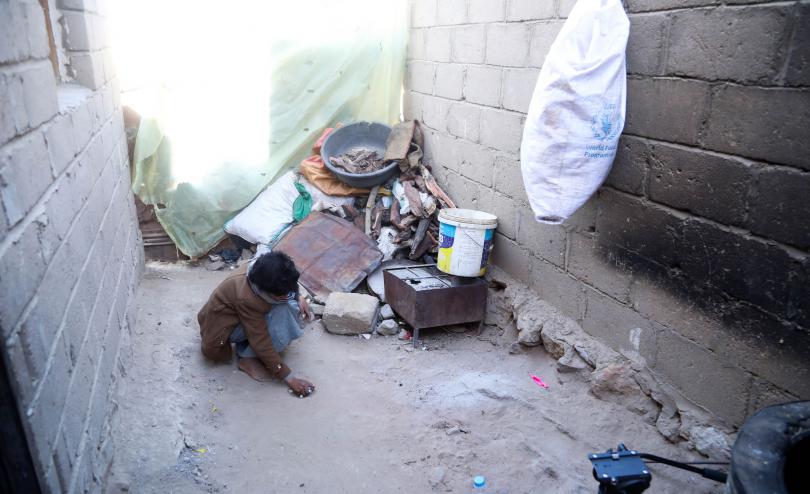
(274, 273)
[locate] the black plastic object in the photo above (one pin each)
(620, 472)
(359, 135)
(772, 452)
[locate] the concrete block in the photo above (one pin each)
(25, 173)
(39, 92)
(416, 44)
(435, 112)
(502, 130)
(629, 171)
(765, 394)
(78, 27)
(483, 85)
(746, 45)
(463, 120)
(797, 72)
(646, 46)
(774, 350)
(699, 374)
(564, 7)
(465, 192)
(705, 184)
(508, 178)
(530, 10)
(36, 33)
(541, 37)
(43, 415)
(599, 265)
(768, 124)
(88, 68)
(663, 298)
(423, 13)
(78, 403)
(449, 81)
(544, 241)
(584, 218)
(650, 5)
(518, 87)
(507, 44)
(507, 211)
(22, 32)
(451, 12)
(437, 44)
(350, 313)
(619, 326)
(468, 44)
(475, 162)
(61, 146)
(748, 269)
(445, 151)
(486, 10)
(779, 208)
(64, 203)
(13, 118)
(412, 104)
(558, 288)
(420, 76)
(668, 109)
(650, 231)
(82, 122)
(512, 258)
(13, 43)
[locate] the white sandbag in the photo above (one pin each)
(271, 211)
(577, 111)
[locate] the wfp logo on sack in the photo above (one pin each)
(605, 123)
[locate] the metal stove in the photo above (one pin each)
(426, 297)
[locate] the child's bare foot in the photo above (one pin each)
(254, 368)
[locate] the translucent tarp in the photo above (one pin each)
(233, 95)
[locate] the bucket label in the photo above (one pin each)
(487, 248)
(447, 234)
(464, 251)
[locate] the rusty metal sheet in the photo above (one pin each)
(331, 254)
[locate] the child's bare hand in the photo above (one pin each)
(301, 387)
(303, 308)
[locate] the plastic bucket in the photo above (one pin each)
(465, 241)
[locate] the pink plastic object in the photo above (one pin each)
(538, 381)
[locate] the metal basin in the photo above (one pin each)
(359, 135)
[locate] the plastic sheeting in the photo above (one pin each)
(242, 93)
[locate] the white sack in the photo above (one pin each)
(577, 111)
(271, 211)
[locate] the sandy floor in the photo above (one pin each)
(378, 421)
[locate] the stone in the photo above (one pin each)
(350, 313)
(317, 309)
(215, 266)
(615, 382)
(388, 327)
(436, 476)
(709, 442)
(386, 312)
(515, 348)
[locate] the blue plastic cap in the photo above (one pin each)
(479, 481)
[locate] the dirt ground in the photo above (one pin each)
(384, 418)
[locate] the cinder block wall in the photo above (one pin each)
(695, 251)
(70, 253)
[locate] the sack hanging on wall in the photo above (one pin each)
(577, 111)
